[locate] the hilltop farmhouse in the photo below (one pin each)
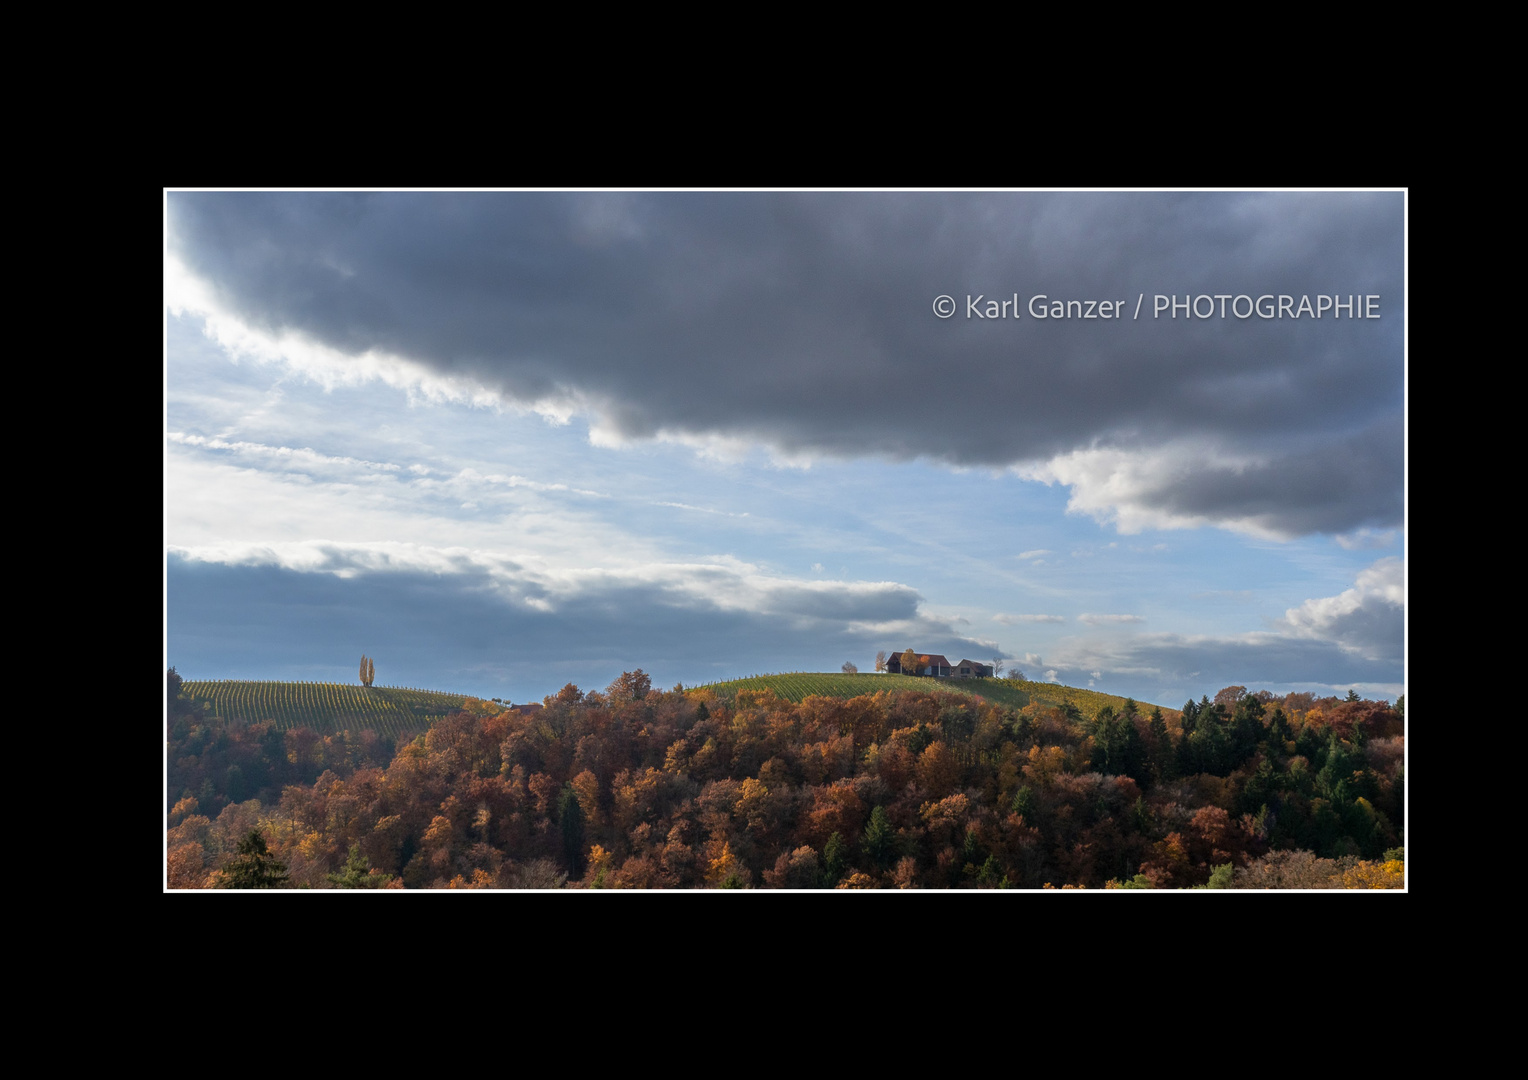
(937, 666)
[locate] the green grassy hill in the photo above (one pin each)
(1018, 693)
(326, 707)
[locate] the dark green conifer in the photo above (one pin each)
(254, 867)
(879, 840)
(835, 857)
(570, 817)
(356, 873)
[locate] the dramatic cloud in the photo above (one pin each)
(1273, 492)
(495, 621)
(803, 323)
(1367, 620)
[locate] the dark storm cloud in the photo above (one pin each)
(1293, 492)
(459, 632)
(804, 321)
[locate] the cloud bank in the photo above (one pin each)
(803, 323)
(1356, 638)
(487, 619)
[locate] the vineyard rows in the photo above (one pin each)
(796, 685)
(400, 712)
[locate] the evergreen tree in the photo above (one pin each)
(1246, 729)
(570, 815)
(1163, 763)
(1183, 756)
(1279, 732)
(1105, 730)
(254, 867)
(880, 840)
(356, 873)
(835, 857)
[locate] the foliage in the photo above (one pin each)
(630, 686)
(358, 874)
(915, 783)
(879, 841)
(253, 866)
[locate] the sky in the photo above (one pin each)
(1151, 443)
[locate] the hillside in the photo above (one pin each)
(326, 708)
(1016, 692)
(889, 790)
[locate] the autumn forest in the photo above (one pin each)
(633, 788)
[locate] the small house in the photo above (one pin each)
(933, 664)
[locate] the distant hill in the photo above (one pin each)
(326, 707)
(404, 712)
(1016, 692)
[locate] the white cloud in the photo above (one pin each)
(1355, 638)
(1367, 539)
(185, 294)
(1035, 554)
(1124, 488)
(472, 476)
(1010, 620)
(1366, 619)
(700, 509)
(305, 456)
(1108, 620)
(1264, 489)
